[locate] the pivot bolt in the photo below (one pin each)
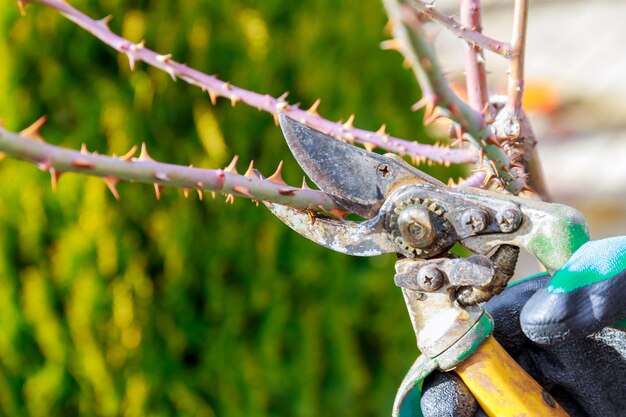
(416, 227)
(509, 220)
(430, 278)
(474, 220)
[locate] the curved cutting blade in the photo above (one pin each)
(355, 178)
(352, 238)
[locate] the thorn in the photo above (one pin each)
(230, 199)
(54, 178)
(111, 183)
(250, 171)
(105, 21)
(143, 154)
(45, 164)
(382, 130)
(277, 177)
(157, 191)
(311, 216)
(186, 192)
(234, 100)
(200, 195)
(305, 186)
(83, 164)
(390, 45)
(340, 213)
(493, 141)
(139, 45)
(493, 166)
(232, 167)
(388, 28)
(349, 123)
(32, 131)
(240, 189)
(213, 194)
(131, 61)
(314, 106)
(128, 156)
(83, 148)
(22, 6)
(281, 105)
(283, 96)
(161, 176)
(451, 182)
(369, 147)
(170, 70)
(164, 58)
(433, 115)
(213, 96)
(275, 116)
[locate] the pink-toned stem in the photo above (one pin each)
(475, 72)
(462, 30)
(476, 180)
(58, 160)
(137, 52)
(412, 43)
(516, 65)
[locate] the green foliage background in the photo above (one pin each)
(186, 307)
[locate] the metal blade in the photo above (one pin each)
(352, 238)
(355, 178)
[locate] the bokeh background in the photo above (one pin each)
(185, 307)
(200, 308)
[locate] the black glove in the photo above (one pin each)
(586, 376)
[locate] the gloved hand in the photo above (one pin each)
(555, 328)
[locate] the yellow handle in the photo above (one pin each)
(502, 387)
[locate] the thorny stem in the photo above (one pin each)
(215, 87)
(474, 181)
(461, 30)
(516, 65)
(58, 160)
(412, 43)
(475, 72)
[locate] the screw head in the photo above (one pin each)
(384, 170)
(509, 220)
(430, 278)
(474, 220)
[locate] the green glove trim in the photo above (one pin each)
(519, 281)
(594, 262)
(621, 324)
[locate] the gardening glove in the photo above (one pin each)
(585, 374)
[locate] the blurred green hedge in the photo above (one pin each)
(185, 307)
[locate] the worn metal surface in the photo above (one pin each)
(357, 179)
(503, 261)
(550, 232)
(368, 238)
(419, 218)
(439, 321)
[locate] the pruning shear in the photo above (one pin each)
(414, 215)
